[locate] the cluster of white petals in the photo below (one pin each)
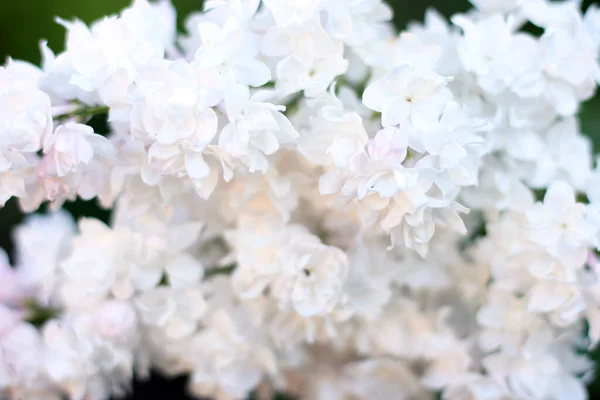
(304, 200)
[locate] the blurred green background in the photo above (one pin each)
(23, 23)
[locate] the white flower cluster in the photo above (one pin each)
(305, 201)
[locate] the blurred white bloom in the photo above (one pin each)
(300, 271)
(124, 262)
(116, 320)
(488, 6)
(70, 146)
(26, 121)
(81, 364)
(13, 288)
(42, 242)
(175, 312)
(229, 358)
(22, 365)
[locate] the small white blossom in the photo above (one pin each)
(256, 129)
(177, 313)
(405, 95)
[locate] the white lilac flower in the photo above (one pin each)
(357, 22)
(498, 69)
(313, 79)
(234, 50)
(26, 121)
(101, 61)
(256, 129)
(297, 31)
(172, 116)
(335, 135)
(300, 272)
(407, 95)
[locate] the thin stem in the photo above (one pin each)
(292, 106)
(227, 270)
(86, 112)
